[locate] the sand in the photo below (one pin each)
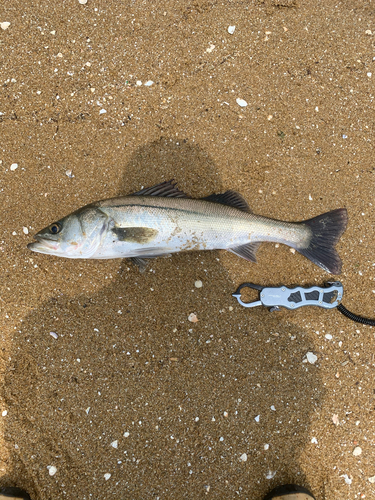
(132, 400)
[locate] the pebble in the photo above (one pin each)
(14, 166)
(369, 74)
(314, 440)
(69, 173)
(357, 451)
(368, 32)
(4, 413)
(149, 83)
(102, 111)
(193, 318)
(372, 479)
(25, 230)
(107, 476)
(126, 434)
(198, 284)
(257, 418)
(54, 335)
(231, 29)
(241, 102)
(266, 446)
(4, 26)
(243, 457)
(51, 470)
(311, 357)
(273, 408)
(114, 444)
(328, 336)
(82, 2)
(292, 250)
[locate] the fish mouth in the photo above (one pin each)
(43, 245)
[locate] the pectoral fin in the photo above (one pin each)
(246, 251)
(135, 234)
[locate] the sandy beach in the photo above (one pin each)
(128, 399)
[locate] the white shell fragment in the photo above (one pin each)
(243, 457)
(311, 357)
(347, 478)
(149, 83)
(54, 335)
(102, 111)
(25, 230)
(357, 451)
(257, 418)
(82, 2)
(114, 444)
(4, 413)
(198, 284)
(241, 102)
(126, 434)
(231, 29)
(107, 476)
(5, 25)
(14, 166)
(193, 318)
(372, 479)
(51, 470)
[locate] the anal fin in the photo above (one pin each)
(247, 251)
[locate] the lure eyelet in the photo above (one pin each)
(55, 228)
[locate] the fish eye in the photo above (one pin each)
(55, 228)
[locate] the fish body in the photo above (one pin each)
(162, 220)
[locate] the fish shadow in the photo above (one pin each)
(132, 388)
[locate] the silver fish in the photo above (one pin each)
(162, 220)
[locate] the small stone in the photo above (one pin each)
(54, 335)
(335, 419)
(257, 418)
(221, 439)
(149, 83)
(273, 408)
(369, 74)
(53, 32)
(4, 413)
(328, 336)
(4, 26)
(311, 358)
(210, 48)
(269, 117)
(198, 284)
(82, 2)
(314, 440)
(266, 447)
(357, 451)
(139, 83)
(25, 230)
(241, 102)
(102, 111)
(372, 479)
(193, 318)
(14, 166)
(59, 54)
(231, 29)
(243, 457)
(88, 64)
(52, 470)
(87, 410)
(310, 197)
(126, 434)
(69, 173)
(108, 475)
(114, 444)
(225, 414)
(292, 250)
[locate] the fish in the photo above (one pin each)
(163, 220)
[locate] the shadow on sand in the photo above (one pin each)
(132, 389)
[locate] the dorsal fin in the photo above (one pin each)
(230, 198)
(167, 189)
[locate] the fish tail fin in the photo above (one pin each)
(326, 230)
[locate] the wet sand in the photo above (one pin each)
(132, 400)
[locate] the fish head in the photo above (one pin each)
(76, 236)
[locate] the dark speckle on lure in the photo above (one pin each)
(162, 220)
